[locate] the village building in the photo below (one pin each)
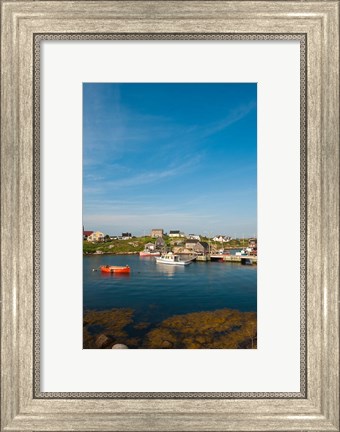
(202, 247)
(160, 243)
(150, 246)
(157, 232)
(197, 246)
(96, 236)
(176, 233)
(194, 237)
(191, 243)
(86, 234)
(219, 238)
(252, 242)
(126, 236)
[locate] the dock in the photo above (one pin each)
(202, 258)
(243, 259)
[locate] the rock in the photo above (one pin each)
(120, 346)
(167, 344)
(102, 341)
(99, 252)
(201, 339)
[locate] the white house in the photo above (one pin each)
(176, 233)
(194, 237)
(219, 238)
(126, 236)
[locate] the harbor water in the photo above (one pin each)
(158, 291)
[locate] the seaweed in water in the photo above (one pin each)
(223, 328)
(113, 323)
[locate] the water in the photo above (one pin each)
(158, 291)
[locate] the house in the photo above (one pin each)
(86, 234)
(176, 233)
(160, 243)
(173, 233)
(219, 238)
(157, 232)
(191, 243)
(126, 236)
(96, 236)
(194, 237)
(202, 247)
(252, 242)
(197, 246)
(150, 246)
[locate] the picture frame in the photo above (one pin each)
(23, 23)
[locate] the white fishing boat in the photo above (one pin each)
(172, 259)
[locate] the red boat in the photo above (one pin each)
(115, 269)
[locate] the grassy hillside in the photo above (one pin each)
(133, 245)
(137, 244)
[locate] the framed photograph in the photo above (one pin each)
(164, 288)
(170, 215)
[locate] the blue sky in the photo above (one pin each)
(172, 156)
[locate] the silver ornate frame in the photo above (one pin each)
(38, 38)
(24, 24)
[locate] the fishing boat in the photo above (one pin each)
(172, 259)
(115, 269)
(147, 253)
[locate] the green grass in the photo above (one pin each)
(133, 245)
(137, 244)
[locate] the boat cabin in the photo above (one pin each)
(171, 256)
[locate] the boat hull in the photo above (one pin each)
(173, 263)
(115, 269)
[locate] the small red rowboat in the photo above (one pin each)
(115, 269)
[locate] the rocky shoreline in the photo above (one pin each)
(99, 252)
(219, 329)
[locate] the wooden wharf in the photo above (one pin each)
(243, 259)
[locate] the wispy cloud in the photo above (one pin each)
(194, 135)
(232, 117)
(159, 175)
(169, 152)
(143, 178)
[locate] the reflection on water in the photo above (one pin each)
(105, 275)
(169, 270)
